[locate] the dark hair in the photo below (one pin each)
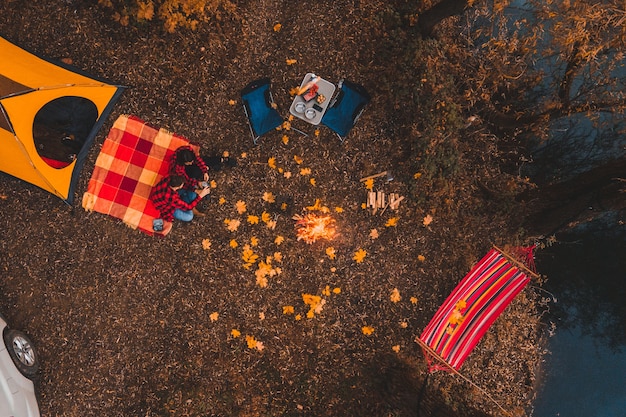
(185, 155)
(176, 181)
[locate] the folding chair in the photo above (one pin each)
(258, 104)
(345, 108)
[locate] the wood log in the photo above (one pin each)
(380, 174)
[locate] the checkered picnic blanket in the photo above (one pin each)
(134, 157)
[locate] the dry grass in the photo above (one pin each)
(124, 322)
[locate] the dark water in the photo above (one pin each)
(585, 374)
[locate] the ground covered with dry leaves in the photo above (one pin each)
(131, 325)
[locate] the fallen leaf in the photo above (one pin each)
(392, 222)
(279, 240)
(374, 234)
(312, 181)
(221, 201)
(235, 333)
(338, 210)
(277, 27)
(369, 184)
(421, 258)
(288, 310)
(206, 244)
(326, 291)
(404, 324)
(297, 159)
(285, 139)
(413, 300)
(287, 174)
(241, 207)
(305, 171)
(253, 219)
(359, 256)
(291, 61)
(251, 341)
(272, 162)
(428, 220)
(213, 316)
(396, 348)
(367, 330)
(254, 241)
(331, 252)
(261, 316)
(231, 102)
(395, 295)
(336, 290)
(233, 243)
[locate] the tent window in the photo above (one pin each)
(61, 128)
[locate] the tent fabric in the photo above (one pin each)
(134, 157)
(42, 102)
(470, 309)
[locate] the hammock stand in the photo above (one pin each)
(523, 260)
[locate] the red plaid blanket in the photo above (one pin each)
(134, 157)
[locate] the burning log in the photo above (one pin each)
(312, 227)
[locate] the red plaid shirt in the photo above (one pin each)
(166, 200)
(177, 169)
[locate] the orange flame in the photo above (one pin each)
(312, 227)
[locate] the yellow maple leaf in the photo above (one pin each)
(338, 210)
(331, 252)
(232, 224)
(421, 258)
(278, 257)
(404, 324)
(297, 159)
(428, 220)
(326, 291)
(395, 295)
(359, 256)
(460, 305)
(213, 184)
(317, 132)
(254, 241)
(213, 316)
(259, 346)
(233, 243)
(298, 317)
(336, 290)
(272, 162)
(241, 207)
(333, 269)
(392, 222)
(287, 175)
(279, 240)
(396, 348)
(305, 171)
(261, 281)
(456, 317)
(285, 139)
(221, 201)
(231, 102)
(265, 217)
(244, 155)
(369, 184)
(271, 224)
(281, 170)
(251, 341)
(413, 300)
(312, 181)
(291, 61)
(367, 330)
(288, 310)
(277, 27)
(268, 197)
(206, 244)
(374, 234)
(417, 175)
(235, 333)
(286, 125)
(253, 219)
(363, 206)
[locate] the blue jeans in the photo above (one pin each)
(187, 196)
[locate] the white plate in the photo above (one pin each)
(310, 114)
(300, 107)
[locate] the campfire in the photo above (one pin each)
(312, 227)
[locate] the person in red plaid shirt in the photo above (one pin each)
(187, 164)
(174, 201)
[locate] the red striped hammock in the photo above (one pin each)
(470, 309)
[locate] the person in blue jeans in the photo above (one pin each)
(174, 201)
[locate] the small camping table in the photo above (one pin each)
(312, 111)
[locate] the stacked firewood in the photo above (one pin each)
(379, 200)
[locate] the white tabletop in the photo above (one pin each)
(312, 107)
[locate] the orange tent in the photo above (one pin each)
(49, 116)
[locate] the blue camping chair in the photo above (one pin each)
(345, 108)
(258, 104)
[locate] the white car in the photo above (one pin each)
(19, 363)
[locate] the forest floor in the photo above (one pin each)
(132, 325)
